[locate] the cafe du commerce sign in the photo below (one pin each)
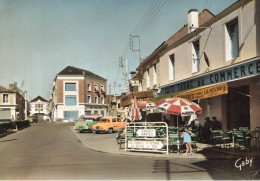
(247, 69)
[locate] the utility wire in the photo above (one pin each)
(151, 11)
(152, 17)
(143, 17)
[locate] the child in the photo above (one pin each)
(187, 140)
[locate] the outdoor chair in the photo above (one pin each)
(244, 129)
(161, 133)
(226, 140)
(238, 138)
(216, 137)
(174, 142)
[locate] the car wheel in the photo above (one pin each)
(94, 132)
(110, 130)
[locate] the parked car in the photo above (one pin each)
(86, 123)
(109, 125)
(33, 119)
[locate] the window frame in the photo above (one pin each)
(172, 67)
(4, 99)
(96, 88)
(89, 87)
(102, 100)
(70, 96)
(147, 78)
(195, 52)
(96, 100)
(228, 40)
(155, 74)
(102, 88)
(89, 99)
(74, 83)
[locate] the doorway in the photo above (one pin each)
(238, 107)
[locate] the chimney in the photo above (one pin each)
(193, 21)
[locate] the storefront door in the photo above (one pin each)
(238, 107)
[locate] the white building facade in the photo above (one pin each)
(39, 106)
(224, 49)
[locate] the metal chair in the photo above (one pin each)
(226, 140)
(174, 141)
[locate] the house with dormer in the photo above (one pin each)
(39, 107)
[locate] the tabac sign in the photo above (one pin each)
(243, 70)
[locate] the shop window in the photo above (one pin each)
(232, 42)
(88, 112)
(71, 115)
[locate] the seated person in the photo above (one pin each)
(216, 123)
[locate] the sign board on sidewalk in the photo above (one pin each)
(145, 144)
(147, 136)
(146, 132)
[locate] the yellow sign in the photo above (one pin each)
(127, 99)
(202, 93)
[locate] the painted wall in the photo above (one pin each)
(213, 42)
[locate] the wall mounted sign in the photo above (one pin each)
(242, 70)
(206, 92)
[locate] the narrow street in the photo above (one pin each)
(52, 151)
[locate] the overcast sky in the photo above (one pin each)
(39, 38)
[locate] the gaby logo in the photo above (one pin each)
(242, 163)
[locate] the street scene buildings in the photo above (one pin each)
(196, 95)
(77, 92)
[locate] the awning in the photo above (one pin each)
(127, 99)
(199, 93)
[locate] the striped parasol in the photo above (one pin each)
(135, 112)
(178, 106)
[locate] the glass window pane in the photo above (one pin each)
(71, 115)
(70, 86)
(70, 101)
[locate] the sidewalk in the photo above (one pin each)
(107, 143)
